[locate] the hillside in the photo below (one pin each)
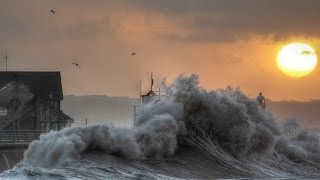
(119, 110)
(99, 109)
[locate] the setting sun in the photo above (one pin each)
(297, 60)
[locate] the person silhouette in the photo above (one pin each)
(261, 100)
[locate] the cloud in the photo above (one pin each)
(187, 20)
(72, 21)
(215, 20)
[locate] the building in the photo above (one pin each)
(150, 98)
(31, 101)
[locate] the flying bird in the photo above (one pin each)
(76, 64)
(52, 11)
(306, 53)
(132, 54)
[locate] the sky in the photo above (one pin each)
(229, 42)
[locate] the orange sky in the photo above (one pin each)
(225, 43)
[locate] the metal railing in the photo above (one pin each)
(16, 136)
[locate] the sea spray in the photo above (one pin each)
(225, 117)
(155, 137)
(298, 144)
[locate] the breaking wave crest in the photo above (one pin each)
(155, 138)
(224, 124)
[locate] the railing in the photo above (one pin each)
(17, 136)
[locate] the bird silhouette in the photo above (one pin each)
(76, 64)
(52, 11)
(132, 54)
(306, 53)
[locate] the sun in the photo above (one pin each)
(297, 60)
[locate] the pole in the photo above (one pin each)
(140, 88)
(6, 58)
(86, 121)
(140, 93)
(151, 80)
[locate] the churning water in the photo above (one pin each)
(194, 133)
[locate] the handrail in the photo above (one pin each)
(22, 131)
(13, 136)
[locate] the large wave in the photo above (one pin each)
(225, 123)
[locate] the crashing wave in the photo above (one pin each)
(224, 123)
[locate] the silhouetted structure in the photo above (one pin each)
(31, 101)
(150, 98)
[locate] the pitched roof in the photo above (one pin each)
(41, 84)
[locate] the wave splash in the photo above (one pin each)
(156, 137)
(224, 123)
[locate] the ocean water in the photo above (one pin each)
(191, 134)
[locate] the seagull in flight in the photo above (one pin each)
(76, 64)
(52, 11)
(306, 53)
